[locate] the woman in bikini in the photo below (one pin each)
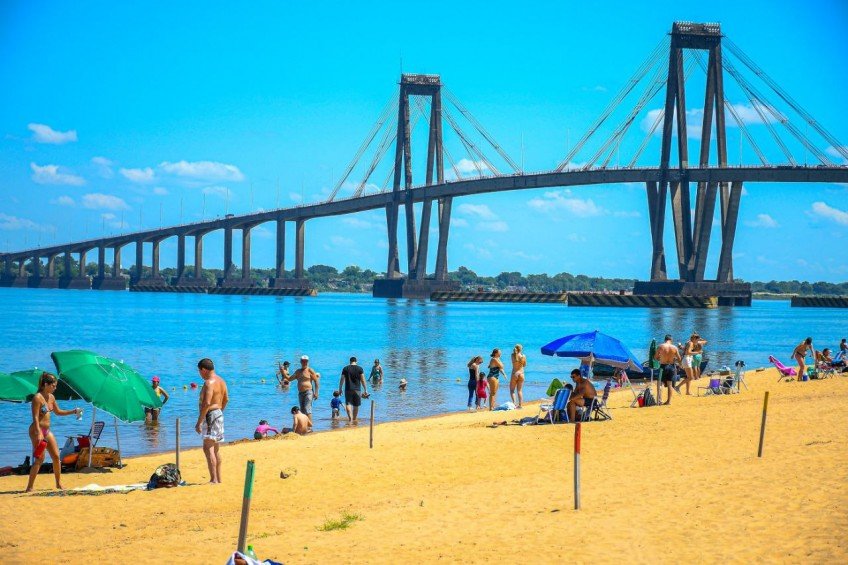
(43, 403)
(496, 369)
(800, 353)
(516, 380)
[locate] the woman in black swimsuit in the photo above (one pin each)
(496, 369)
(473, 377)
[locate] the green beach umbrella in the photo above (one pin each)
(112, 386)
(20, 386)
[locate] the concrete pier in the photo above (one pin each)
(727, 294)
(820, 301)
(408, 288)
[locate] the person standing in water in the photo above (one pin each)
(152, 414)
(43, 403)
(377, 372)
(473, 377)
(496, 369)
(516, 380)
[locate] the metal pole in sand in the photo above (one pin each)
(763, 426)
(178, 445)
(245, 505)
(118, 442)
(659, 388)
(577, 466)
(371, 436)
(91, 431)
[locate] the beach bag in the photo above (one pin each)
(165, 476)
(649, 398)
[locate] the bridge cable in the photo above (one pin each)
(414, 123)
(384, 115)
(646, 140)
(637, 77)
(739, 121)
(479, 127)
(470, 146)
(748, 62)
(615, 139)
(759, 101)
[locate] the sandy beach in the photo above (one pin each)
(667, 484)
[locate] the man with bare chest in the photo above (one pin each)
(669, 356)
(210, 420)
(307, 386)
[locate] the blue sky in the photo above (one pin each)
(116, 116)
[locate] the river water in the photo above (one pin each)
(427, 343)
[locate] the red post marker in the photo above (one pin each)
(577, 466)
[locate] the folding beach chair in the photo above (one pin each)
(599, 406)
(787, 373)
(731, 386)
(93, 435)
(716, 386)
(556, 409)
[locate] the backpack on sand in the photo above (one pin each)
(165, 476)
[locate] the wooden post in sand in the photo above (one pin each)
(178, 445)
(371, 437)
(763, 426)
(245, 505)
(577, 466)
(659, 389)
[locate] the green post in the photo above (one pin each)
(245, 505)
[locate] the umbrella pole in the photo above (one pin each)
(118, 441)
(91, 431)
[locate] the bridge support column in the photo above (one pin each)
(67, 273)
(300, 236)
(245, 253)
(116, 262)
(139, 261)
(101, 262)
(180, 256)
(656, 214)
(420, 272)
(51, 266)
(198, 256)
(228, 253)
(154, 259)
(445, 205)
(50, 281)
(393, 267)
(113, 282)
(728, 234)
(68, 280)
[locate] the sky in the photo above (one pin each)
(116, 117)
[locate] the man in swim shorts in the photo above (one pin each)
(210, 420)
(584, 392)
(668, 355)
(355, 388)
(307, 386)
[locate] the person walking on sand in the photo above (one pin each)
(668, 355)
(307, 386)
(210, 420)
(43, 403)
(473, 378)
(800, 354)
(516, 380)
(496, 369)
(355, 388)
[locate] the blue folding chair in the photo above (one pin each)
(556, 409)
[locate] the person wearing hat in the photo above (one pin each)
(307, 386)
(152, 414)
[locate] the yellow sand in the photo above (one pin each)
(669, 484)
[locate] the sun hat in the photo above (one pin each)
(155, 379)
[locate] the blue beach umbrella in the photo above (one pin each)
(593, 347)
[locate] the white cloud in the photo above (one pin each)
(104, 167)
(112, 221)
(825, 211)
(498, 226)
(262, 232)
(694, 122)
(104, 202)
(523, 255)
(295, 196)
(341, 241)
(833, 152)
(575, 238)
(357, 223)
(480, 252)
(480, 211)
(203, 170)
(159, 191)
(561, 200)
(458, 222)
(141, 176)
(468, 166)
(42, 133)
(220, 191)
(627, 214)
(63, 201)
(749, 115)
(763, 221)
(12, 223)
(50, 174)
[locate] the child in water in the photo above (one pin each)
(262, 430)
(336, 404)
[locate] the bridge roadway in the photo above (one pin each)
(527, 181)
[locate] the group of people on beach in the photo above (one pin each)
(485, 385)
(823, 359)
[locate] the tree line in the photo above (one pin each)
(355, 279)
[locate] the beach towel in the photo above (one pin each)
(555, 385)
(250, 560)
(506, 406)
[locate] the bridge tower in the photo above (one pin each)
(416, 284)
(692, 236)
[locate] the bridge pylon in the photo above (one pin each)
(692, 235)
(417, 284)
